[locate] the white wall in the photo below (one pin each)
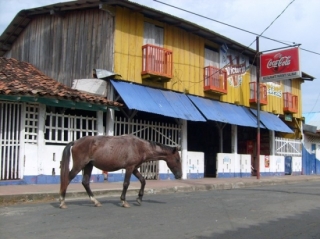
(51, 160)
(225, 163)
(30, 164)
(236, 165)
(296, 164)
(195, 162)
(239, 165)
(245, 163)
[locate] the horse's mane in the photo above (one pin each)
(162, 146)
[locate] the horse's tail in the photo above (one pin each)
(64, 166)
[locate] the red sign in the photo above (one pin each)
(280, 65)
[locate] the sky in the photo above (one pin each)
(292, 22)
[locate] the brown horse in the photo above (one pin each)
(111, 153)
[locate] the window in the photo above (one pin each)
(156, 60)
(290, 101)
(215, 79)
(153, 34)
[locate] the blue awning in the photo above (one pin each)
(272, 122)
(157, 101)
(225, 112)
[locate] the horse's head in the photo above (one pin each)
(174, 163)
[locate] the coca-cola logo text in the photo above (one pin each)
(279, 62)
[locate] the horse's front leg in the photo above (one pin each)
(143, 184)
(126, 184)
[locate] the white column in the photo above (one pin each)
(22, 140)
(110, 113)
(234, 139)
(40, 135)
(100, 123)
(272, 142)
(184, 148)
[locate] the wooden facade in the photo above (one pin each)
(67, 47)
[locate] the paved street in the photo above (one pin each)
(279, 211)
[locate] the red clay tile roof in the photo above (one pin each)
(22, 78)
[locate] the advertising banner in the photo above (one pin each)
(235, 65)
(280, 65)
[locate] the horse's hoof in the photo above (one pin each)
(125, 204)
(139, 201)
(63, 206)
(97, 205)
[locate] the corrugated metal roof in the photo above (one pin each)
(157, 101)
(225, 112)
(272, 122)
(312, 118)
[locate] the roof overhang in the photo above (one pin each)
(305, 76)
(57, 102)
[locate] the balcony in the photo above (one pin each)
(215, 80)
(253, 94)
(290, 103)
(156, 63)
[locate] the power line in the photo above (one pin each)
(260, 35)
(238, 28)
(315, 103)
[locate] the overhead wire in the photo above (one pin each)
(238, 28)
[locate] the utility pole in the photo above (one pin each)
(258, 110)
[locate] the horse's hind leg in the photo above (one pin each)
(143, 184)
(86, 183)
(63, 187)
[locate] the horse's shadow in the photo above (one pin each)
(88, 203)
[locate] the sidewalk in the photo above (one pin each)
(50, 192)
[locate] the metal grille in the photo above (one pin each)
(10, 115)
(62, 128)
(163, 133)
(31, 123)
(288, 147)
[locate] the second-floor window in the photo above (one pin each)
(153, 34)
(290, 101)
(254, 88)
(211, 57)
(215, 79)
(156, 60)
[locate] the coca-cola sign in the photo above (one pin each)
(280, 65)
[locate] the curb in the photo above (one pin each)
(45, 197)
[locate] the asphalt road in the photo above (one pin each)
(283, 211)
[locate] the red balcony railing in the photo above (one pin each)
(156, 62)
(290, 102)
(253, 93)
(215, 80)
